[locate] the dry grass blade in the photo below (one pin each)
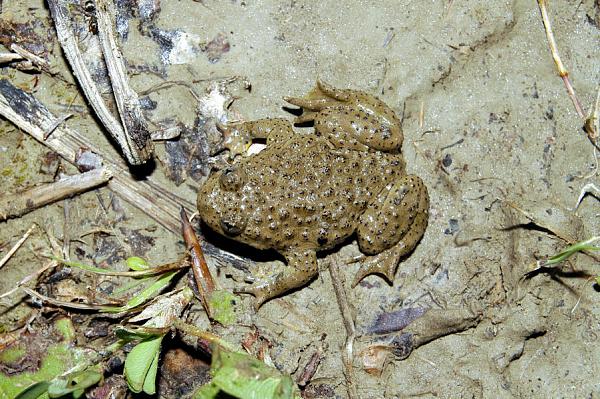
(202, 276)
(29, 278)
(562, 71)
(80, 306)
(153, 271)
(59, 303)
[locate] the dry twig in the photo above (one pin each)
(18, 204)
(348, 354)
(202, 276)
(15, 247)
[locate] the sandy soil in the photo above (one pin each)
(487, 124)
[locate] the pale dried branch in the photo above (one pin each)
(9, 57)
(128, 103)
(34, 59)
(18, 204)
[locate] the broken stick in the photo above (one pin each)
(18, 204)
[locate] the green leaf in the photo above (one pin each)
(136, 263)
(150, 380)
(245, 377)
(129, 334)
(221, 304)
(75, 384)
(56, 355)
(34, 391)
(141, 364)
(148, 292)
(65, 326)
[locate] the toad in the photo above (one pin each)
(305, 193)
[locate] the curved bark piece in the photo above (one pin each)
(119, 111)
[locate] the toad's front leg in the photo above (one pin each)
(237, 137)
(300, 269)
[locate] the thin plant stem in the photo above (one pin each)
(562, 71)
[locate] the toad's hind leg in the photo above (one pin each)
(301, 268)
(351, 118)
(392, 226)
(323, 96)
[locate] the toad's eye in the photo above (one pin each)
(231, 228)
(231, 179)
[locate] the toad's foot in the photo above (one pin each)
(301, 268)
(383, 264)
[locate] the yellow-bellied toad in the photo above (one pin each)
(306, 193)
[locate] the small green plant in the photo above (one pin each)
(243, 376)
(156, 280)
(585, 245)
(65, 370)
(141, 364)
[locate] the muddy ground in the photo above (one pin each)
(488, 126)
